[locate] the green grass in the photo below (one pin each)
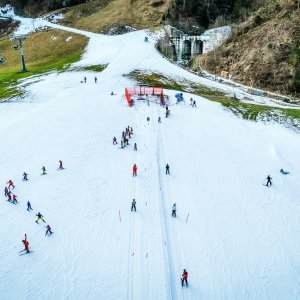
(253, 112)
(94, 68)
(45, 51)
(155, 79)
(9, 79)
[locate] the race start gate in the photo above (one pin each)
(145, 93)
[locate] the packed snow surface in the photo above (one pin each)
(237, 238)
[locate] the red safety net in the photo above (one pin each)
(143, 90)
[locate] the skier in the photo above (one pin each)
(167, 169)
(269, 180)
(123, 134)
(84, 79)
(133, 207)
(129, 134)
(6, 191)
(184, 278)
(159, 119)
(191, 100)
(29, 206)
(9, 196)
(167, 113)
(95, 79)
(49, 231)
(131, 130)
(122, 146)
(174, 210)
(25, 178)
(284, 172)
(148, 120)
(44, 171)
(14, 199)
(26, 244)
(60, 165)
(134, 170)
(194, 103)
(10, 184)
(40, 217)
(135, 147)
(115, 141)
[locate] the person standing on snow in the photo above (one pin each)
(191, 100)
(184, 278)
(25, 178)
(40, 217)
(44, 171)
(269, 180)
(84, 79)
(29, 206)
(122, 146)
(115, 141)
(159, 119)
(95, 79)
(194, 103)
(134, 170)
(60, 165)
(10, 184)
(167, 169)
(6, 191)
(49, 231)
(26, 244)
(9, 196)
(174, 210)
(133, 207)
(14, 199)
(135, 147)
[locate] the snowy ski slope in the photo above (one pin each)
(237, 238)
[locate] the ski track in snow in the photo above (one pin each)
(241, 240)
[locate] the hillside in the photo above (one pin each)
(237, 238)
(264, 51)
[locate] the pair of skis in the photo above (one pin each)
(26, 252)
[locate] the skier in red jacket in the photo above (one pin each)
(184, 278)
(14, 199)
(134, 170)
(10, 184)
(26, 244)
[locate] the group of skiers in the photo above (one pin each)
(269, 178)
(126, 135)
(13, 199)
(85, 79)
(128, 132)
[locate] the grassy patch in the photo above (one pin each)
(44, 51)
(155, 79)
(101, 15)
(253, 112)
(94, 68)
